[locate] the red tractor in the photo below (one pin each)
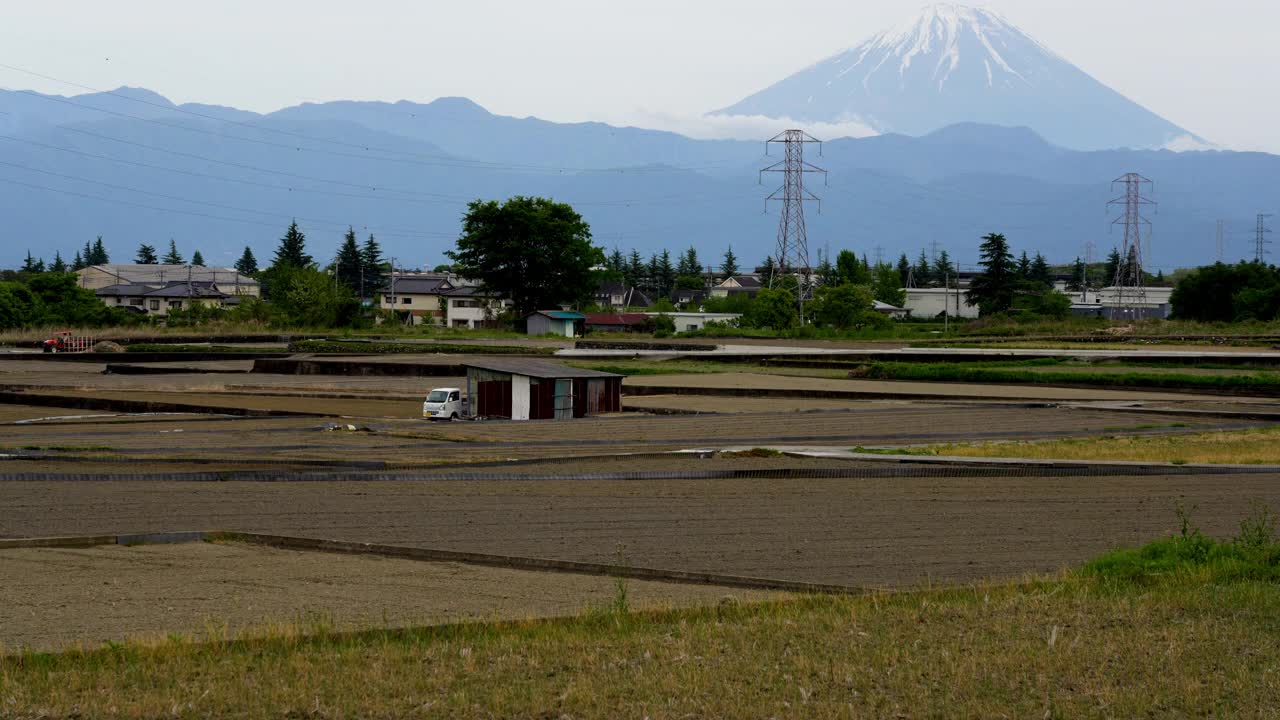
(65, 341)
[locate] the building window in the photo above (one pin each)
(406, 301)
(175, 304)
(155, 304)
(388, 299)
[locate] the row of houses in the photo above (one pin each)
(443, 299)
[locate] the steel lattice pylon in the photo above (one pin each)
(792, 254)
(1128, 281)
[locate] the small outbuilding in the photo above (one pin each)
(539, 390)
(555, 322)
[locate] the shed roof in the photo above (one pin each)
(536, 368)
(616, 318)
(561, 314)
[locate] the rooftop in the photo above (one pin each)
(560, 314)
(536, 368)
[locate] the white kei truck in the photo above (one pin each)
(444, 404)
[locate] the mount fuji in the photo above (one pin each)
(953, 64)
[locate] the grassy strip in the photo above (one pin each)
(1260, 446)
(950, 372)
(391, 348)
(163, 348)
(1181, 633)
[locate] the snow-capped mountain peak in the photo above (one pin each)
(937, 32)
(954, 63)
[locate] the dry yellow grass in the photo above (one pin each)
(1259, 446)
(1066, 647)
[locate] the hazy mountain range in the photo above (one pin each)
(135, 168)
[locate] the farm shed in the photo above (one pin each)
(539, 390)
(555, 322)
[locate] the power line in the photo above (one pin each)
(210, 216)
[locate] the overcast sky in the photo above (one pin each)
(1207, 66)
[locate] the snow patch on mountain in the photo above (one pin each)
(952, 63)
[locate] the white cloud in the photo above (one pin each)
(739, 127)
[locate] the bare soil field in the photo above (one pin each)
(751, 381)
(144, 442)
(60, 597)
(885, 531)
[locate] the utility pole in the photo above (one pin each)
(1260, 241)
(879, 249)
(1090, 256)
(793, 241)
(1128, 281)
(933, 251)
(1222, 240)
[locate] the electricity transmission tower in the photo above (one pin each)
(1128, 282)
(793, 242)
(1222, 240)
(1260, 241)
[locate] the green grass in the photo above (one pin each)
(391, 348)
(1101, 642)
(163, 348)
(1251, 446)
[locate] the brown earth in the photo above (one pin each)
(59, 597)
(854, 531)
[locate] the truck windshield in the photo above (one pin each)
(438, 396)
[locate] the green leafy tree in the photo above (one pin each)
(59, 265)
(19, 307)
(88, 253)
(197, 259)
(850, 270)
(78, 263)
(1227, 293)
(993, 290)
(306, 297)
(292, 251)
(886, 287)
(772, 309)
(146, 255)
(535, 251)
(729, 264)
(1043, 301)
(376, 271)
(348, 266)
(62, 302)
(173, 257)
(247, 264)
(845, 307)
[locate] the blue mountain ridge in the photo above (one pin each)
(217, 179)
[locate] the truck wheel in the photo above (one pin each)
(453, 417)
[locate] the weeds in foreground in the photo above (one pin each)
(1252, 555)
